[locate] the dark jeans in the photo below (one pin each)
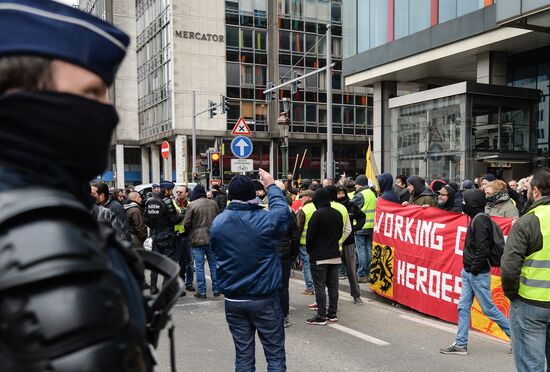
(167, 248)
(185, 254)
(326, 275)
(265, 316)
(283, 291)
(349, 261)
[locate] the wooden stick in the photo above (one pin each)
(295, 165)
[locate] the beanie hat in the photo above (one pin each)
(489, 177)
(241, 188)
(467, 185)
(361, 180)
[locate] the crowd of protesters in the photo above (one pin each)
(253, 234)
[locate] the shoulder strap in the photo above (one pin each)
(15, 203)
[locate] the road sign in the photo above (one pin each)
(242, 165)
(165, 149)
(241, 147)
(215, 182)
(241, 128)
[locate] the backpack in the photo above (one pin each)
(497, 248)
(154, 210)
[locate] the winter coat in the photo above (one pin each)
(287, 248)
(421, 194)
(479, 235)
(221, 199)
(117, 208)
(324, 229)
(135, 221)
(500, 205)
(106, 217)
(199, 217)
(356, 216)
(385, 181)
(244, 239)
(524, 239)
(403, 194)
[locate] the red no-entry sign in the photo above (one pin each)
(165, 149)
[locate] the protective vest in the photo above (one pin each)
(345, 215)
(368, 208)
(534, 280)
(308, 209)
(179, 228)
(351, 194)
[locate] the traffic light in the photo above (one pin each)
(297, 85)
(212, 109)
(215, 160)
(269, 96)
(224, 104)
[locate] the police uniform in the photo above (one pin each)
(61, 273)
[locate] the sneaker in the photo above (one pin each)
(312, 307)
(362, 279)
(317, 321)
(190, 288)
(216, 294)
(454, 349)
(287, 322)
(307, 292)
(342, 277)
(357, 300)
(332, 319)
(201, 296)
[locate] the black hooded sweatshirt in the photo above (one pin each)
(356, 216)
(479, 236)
(450, 205)
(324, 230)
(421, 194)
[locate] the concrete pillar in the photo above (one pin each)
(383, 91)
(145, 165)
(323, 170)
(273, 157)
(155, 163)
(167, 166)
(119, 160)
(491, 68)
(181, 154)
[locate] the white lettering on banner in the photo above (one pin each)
(459, 231)
(440, 285)
(425, 234)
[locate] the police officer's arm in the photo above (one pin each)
(524, 239)
(483, 237)
(173, 214)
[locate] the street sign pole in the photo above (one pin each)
(194, 140)
(330, 164)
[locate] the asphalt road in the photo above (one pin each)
(373, 337)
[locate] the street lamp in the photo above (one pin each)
(283, 121)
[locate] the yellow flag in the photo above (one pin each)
(371, 170)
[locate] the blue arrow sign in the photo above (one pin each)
(241, 147)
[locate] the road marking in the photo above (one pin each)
(430, 323)
(360, 335)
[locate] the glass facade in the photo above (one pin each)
(301, 26)
(445, 138)
(378, 22)
(532, 70)
(154, 43)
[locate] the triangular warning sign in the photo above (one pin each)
(241, 128)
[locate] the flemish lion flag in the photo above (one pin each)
(371, 170)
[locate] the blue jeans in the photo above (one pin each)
(199, 253)
(265, 316)
(363, 246)
(480, 286)
(530, 335)
(306, 268)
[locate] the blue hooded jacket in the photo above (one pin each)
(385, 181)
(244, 239)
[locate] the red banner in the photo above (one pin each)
(417, 260)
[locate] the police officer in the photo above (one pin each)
(70, 292)
(161, 216)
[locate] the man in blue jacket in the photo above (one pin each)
(244, 239)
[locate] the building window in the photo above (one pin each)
(233, 74)
(232, 37)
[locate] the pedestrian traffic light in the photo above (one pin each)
(269, 95)
(215, 160)
(212, 109)
(224, 104)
